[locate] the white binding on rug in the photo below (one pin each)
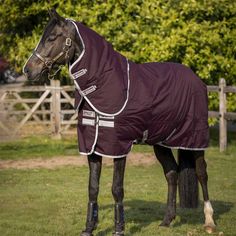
(83, 51)
(112, 115)
(96, 137)
(81, 92)
(110, 156)
(183, 148)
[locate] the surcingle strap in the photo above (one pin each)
(79, 73)
(103, 121)
(89, 90)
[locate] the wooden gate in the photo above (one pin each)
(37, 109)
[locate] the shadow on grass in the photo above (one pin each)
(140, 214)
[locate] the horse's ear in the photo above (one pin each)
(50, 13)
(54, 15)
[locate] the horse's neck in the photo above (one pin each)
(78, 48)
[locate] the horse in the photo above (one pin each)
(119, 101)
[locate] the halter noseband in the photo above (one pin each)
(48, 63)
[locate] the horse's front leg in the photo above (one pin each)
(170, 167)
(118, 194)
(95, 165)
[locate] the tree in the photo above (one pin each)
(200, 34)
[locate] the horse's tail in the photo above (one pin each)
(188, 183)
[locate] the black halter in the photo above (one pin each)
(48, 63)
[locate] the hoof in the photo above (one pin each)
(86, 234)
(118, 234)
(167, 221)
(209, 228)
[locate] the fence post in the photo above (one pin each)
(56, 109)
(222, 111)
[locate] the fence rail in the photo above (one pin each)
(25, 108)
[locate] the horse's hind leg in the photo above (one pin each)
(167, 160)
(203, 178)
(95, 165)
(118, 194)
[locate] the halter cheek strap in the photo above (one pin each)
(48, 63)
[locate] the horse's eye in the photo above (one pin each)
(52, 37)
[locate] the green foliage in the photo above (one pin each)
(200, 34)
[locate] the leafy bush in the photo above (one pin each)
(200, 34)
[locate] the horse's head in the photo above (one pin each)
(56, 47)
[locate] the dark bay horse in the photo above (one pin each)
(119, 101)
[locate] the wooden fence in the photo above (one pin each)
(222, 114)
(37, 109)
(50, 109)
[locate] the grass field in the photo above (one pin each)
(54, 202)
(44, 147)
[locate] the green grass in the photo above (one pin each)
(45, 147)
(34, 147)
(54, 202)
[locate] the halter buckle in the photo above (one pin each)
(48, 64)
(68, 42)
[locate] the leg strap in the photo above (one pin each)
(92, 218)
(92, 215)
(119, 219)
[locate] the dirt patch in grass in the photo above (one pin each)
(55, 162)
